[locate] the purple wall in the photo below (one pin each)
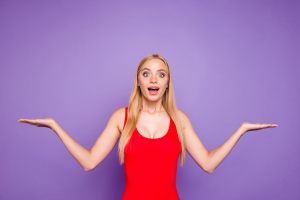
(232, 61)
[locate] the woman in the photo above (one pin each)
(152, 133)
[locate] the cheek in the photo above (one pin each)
(166, 83)
(141, 81)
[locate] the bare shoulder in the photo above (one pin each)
(183, 117)
(181, 113)
(118, 117)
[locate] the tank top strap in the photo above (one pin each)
(126, 110)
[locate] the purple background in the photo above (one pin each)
(232, 61)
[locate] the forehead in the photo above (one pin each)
(155, 64)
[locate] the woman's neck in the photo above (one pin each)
(152, 107)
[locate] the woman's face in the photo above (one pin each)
(153, 79)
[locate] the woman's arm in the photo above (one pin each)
(88, 159)
(217, 155)
(210, 160)
(81, 155)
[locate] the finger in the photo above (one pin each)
(30, 121)
(273, 125)
(23, 120)
(270, 125)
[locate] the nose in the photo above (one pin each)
(153, 79)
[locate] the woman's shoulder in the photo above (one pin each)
(183, 117)
(119, 116)
(120, 111)
(181, 114)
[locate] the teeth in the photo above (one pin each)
(153, 88)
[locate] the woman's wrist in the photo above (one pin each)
(241, 130)
(54, 125)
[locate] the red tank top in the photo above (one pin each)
(150, 165)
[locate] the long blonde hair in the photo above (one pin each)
(135, 105)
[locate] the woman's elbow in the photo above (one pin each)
(208, 169)
(89, 167)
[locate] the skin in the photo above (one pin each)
(152, 123)
(153, 120)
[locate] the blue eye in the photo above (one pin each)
(145, 73)
(162, 75)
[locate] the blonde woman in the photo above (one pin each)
(151, 134)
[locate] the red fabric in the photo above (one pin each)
(150, 165)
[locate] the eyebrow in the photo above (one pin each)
(157, 70)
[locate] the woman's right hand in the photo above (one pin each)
(47, 122)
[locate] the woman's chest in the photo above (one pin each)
(153, 127)
(166, 147)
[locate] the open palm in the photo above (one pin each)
(47, 122)
(251, 127)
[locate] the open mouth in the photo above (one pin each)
(153, 90)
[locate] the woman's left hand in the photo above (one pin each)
(252, 127)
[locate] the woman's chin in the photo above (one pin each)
(153, 98)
